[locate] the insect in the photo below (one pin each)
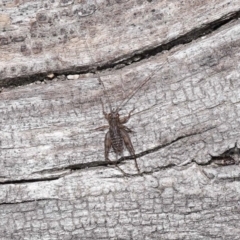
(117, 136)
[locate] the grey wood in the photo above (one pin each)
(55, 36)
(54, 180)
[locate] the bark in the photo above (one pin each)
(54, 180)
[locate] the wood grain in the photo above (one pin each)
(43, 36)
(54, 181)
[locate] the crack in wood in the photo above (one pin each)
(163, 145)
(29, 201)
(128, 59)
(79, 166)
(229, 157)
(21, 181)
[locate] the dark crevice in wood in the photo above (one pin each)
(158, 169)
(141, 154)
(181, 40)
(28, 201)
(224, 159)
(21, 181)
(229, 179)
(192, 212)
(163, 145)
(79, 166)
(221, 161)
(125, 60)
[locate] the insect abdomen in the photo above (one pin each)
(116, 140)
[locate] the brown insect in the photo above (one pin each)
(118, 135)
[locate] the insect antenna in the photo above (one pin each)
(100, 81)
(105, 92)
(132, 93)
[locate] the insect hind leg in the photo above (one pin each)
(108, 145)
(129, 146)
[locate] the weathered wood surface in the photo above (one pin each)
(54, 181)
(57, 36)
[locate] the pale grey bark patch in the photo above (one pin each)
(146, 207)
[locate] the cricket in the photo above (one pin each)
(117, 137)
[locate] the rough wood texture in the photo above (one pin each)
(54, 181)
(56, 36)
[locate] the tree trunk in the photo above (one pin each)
(54, 180)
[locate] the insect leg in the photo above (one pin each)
(128, 130)
(125, 119)
(108, 145)
(129, 146)
(104, 113)
(101, 128)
